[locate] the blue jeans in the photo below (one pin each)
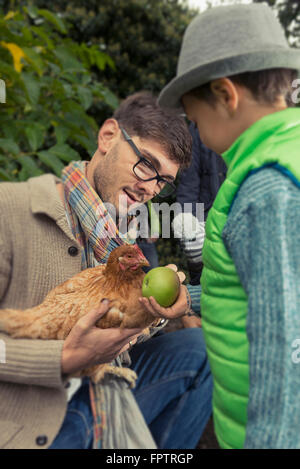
(173, 391)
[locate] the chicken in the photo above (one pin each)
(120, 280)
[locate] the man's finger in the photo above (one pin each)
(147, 304)
(129, 334)
(90, 319)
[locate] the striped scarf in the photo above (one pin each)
(97, 234)
(90, 221)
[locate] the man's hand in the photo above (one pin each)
(177, 310)
(88, 345)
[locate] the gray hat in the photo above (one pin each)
(225, 41)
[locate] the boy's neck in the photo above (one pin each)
(254, 111)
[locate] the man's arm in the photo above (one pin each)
(262, 235)
(32, 362)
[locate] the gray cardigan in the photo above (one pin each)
(34, 257)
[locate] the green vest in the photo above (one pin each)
(273, 140)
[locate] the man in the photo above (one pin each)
(50, 230)
(234, 79)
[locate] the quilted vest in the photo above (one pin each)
(273, 140)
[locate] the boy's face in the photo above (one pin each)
(214, 125)
(233, 110)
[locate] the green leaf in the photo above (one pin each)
(9, 145)
(35, 135)
(4, 176)
(68, 90)
(30, 165)
(8, 71)
(10, 130)
(102, 60)
(32, 88)
(31, 11)
(85, 96)
(89, 145)
(35, 60)
(57, 22)
(51, 161)
(44, 36)
(67, 59)
(23, 174)
(27, 34)
(76, 115)
(61, 133)
(64, 152)
(108, 96)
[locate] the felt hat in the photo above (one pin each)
(225, 41)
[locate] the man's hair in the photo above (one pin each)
(265, 85)
(140, 115)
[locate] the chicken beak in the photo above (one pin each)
(141, 258)
(143, 261)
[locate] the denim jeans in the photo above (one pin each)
(173, 391)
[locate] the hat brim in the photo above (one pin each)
(252, 61)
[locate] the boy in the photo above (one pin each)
(235, 72)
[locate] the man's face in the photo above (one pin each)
(114, 180)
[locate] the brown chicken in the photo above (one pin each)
(120, 280)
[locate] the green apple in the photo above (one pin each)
(163, 284)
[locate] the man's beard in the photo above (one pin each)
(104, 176)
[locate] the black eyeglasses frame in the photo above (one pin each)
(158, 177)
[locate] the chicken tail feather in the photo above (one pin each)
(21, 323)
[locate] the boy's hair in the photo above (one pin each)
(265, 85)
(141, 115)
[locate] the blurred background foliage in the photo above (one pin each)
(67, 63)
(50, 88)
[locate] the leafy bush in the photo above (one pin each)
(55, 98)
(51, 87)
(143, 37)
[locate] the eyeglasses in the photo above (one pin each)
(145, 171)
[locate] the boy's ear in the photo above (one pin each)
(226, 93)
(107, 135)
